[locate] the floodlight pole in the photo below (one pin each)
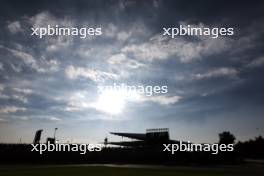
(55, 132)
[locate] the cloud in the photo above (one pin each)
(256, 62)
(24, 118)
(45, 18)
(16, 68)
(94, 52)
(112, 31)
(161, 48)
(123, 35)
(78, 101)
(136, 30)
(24, 91)
(112, 102)
(162, 99)
(21, 94)
(1, 66)
(11, 109)
(123, 4)
(18, 97)
(218, 72)
(17, 94)
(51, 65)
(21, 98)
(3, 120)
(57, 43)
(3, 96)
(42, 65)
(54, 119)
(156, 3)
(2, 87)
(123, 61)
(73, 72)
(25, 57)
(14, 27)
(37, 117)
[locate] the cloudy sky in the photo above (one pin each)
(213, 84)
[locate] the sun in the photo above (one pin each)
(111, 102)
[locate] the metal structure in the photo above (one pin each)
(152, 138)
(37, 137)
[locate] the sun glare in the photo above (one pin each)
(111, 101)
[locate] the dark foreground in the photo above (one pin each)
(81, 170)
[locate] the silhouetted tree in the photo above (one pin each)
(252, 148)
(226, 138)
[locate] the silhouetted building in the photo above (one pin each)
(51, 140)
(152, 137)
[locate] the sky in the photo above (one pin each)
(214, 85)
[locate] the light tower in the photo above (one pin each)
(55, 133)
